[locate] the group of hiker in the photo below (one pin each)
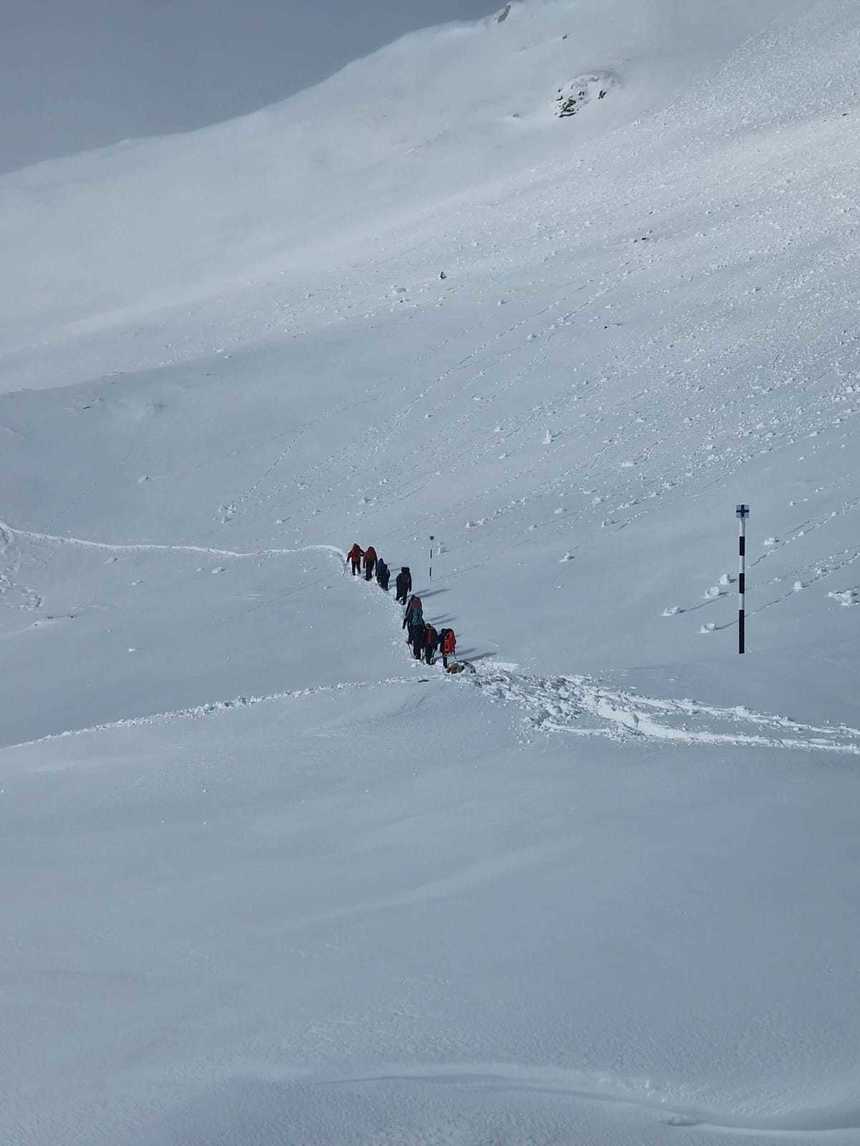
(422, 637)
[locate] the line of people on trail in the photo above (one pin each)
(422, 637)
(367, 561)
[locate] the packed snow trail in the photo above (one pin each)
(152, 547)
(585, 707)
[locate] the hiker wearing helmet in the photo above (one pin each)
(354, 558)
(447, 645)
(403, 584)
(369, 562)
(431, 643)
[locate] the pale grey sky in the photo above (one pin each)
(83, 73)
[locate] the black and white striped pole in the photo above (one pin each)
(431, 556)
(743, 512)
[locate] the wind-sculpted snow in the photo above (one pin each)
(11, 591)
(212, 708)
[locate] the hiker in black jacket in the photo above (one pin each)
(417, 638)
(431, 643)
(403, 584)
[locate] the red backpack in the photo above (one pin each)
(449, 641)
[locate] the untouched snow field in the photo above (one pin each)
(265, 879)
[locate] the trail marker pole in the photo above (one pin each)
(431, 556)
(742, 512)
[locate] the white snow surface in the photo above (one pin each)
(267, 880)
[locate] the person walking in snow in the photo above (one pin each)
(369, 562)
(431, 643)
(354, 558)
(447, 645)
(383, 574)
(416, 638)
(403, 584)
(414, 614)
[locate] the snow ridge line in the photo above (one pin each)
(150, 547)
(210, 708)
(581, 706)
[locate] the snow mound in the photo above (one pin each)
(575, 96)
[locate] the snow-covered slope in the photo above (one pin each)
(269, 880)
(161, 240)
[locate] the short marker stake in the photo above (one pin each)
(743, 512)
(431, 556)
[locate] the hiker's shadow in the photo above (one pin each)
(424, 593)
(445, 620)
(474, 655)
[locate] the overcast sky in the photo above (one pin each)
(83, 73)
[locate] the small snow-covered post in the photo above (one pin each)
(743, 512)
(431, 556)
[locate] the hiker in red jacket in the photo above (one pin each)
(354, 558)
(369, 562)
(447, 645)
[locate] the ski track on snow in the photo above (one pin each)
(574, 704)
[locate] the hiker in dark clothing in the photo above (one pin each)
(383, 574)
(447, 645)
(354, 558)
(369, 562)
(414, 614)
(431, 643)
(416, 638)
(403, 584)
